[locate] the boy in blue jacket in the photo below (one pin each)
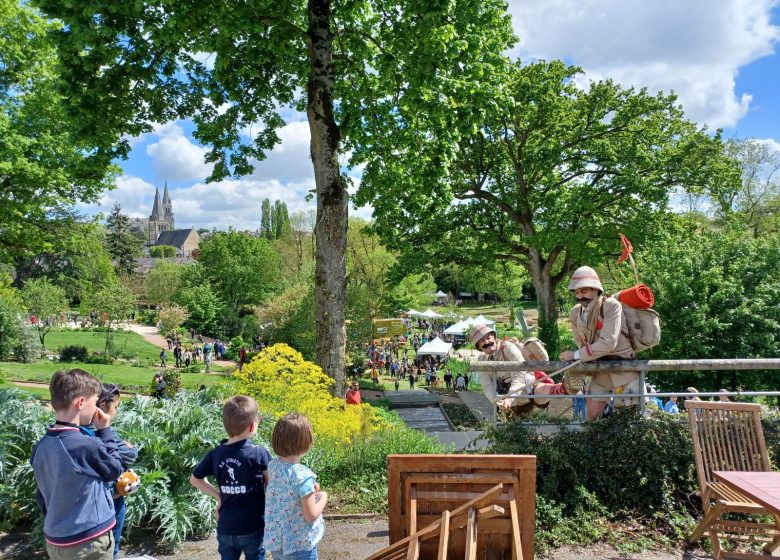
(71, 471)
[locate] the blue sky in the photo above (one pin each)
(719, 56)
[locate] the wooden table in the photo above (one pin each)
(763, 487)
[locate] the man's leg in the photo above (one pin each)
(595, 409)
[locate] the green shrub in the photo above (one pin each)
(28, 346)
(172, 379)
(192, 368)
(10, 327)
(98, 358)
(235, 345)
(73, 353)
(23, 421)
(622, 467)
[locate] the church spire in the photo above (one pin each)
(166, 198)
(156, 209)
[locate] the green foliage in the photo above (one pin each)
(123, 246)
(289, 318)
(162, 251)
(46, 301)
(73, 353)
(112, 303)
(620, 468)
(546, 178)
(718, 294)
(10, 327)
(23, 422)
(164, 282)
(171, 317)
(28, 346)
(43, 162)
(203, 305)
(412, 292)
(242, 269)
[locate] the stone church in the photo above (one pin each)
(160, 228)
(162, 217)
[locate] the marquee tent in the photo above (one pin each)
(429, 314)
(458, 328)
(436, 347)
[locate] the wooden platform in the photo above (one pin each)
(422, 487)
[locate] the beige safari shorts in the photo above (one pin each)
(604, 385)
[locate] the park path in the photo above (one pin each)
(152, 336)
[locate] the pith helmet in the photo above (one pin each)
(585, 277)
(478, 332)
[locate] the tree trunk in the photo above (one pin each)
(331, 226)
(548, 309)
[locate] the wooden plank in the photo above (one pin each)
(490, 511)
(517, 543)
(412, 511)
(471, 535)
(526, 498)
(413, 553)
(444, 535)
(453, 496)
(432, 530)
(501, 525)
(395, 521)
(463, 478)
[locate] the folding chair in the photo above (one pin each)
(729, 437)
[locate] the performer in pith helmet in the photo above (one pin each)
(516, 382)
(599, 328)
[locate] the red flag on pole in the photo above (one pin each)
(627, 248)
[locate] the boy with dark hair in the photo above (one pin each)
(71, 470)
(241, 470)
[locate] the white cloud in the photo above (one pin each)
(134, 195)
(229, 203)
(695, 48)
(175, 158)
(771, 143)
(290, 160)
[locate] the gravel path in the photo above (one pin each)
(344, 540)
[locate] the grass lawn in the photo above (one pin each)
(121, 374)
(38, 392)
(125, 342)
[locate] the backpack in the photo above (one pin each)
(532, 349)
(643, 326)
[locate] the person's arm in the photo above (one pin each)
(313, 505)
(488, 385)
(205, 486)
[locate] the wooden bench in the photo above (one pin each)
(421, 488)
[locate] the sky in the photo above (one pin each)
(719, 56)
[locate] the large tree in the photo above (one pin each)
(122, 244)
(44, 167)
(45, 301)
(231, 64)
(546, 180)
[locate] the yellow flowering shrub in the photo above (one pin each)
(282, 381)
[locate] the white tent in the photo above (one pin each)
(436, 347)
(429, 314)
(458, 328)
(482, 320)
(440, 294)
(412, 313)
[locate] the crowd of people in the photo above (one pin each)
(262, 502)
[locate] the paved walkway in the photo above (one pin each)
(479, 404)
(152, 336)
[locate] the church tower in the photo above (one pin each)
(168, 208)
(162, 216)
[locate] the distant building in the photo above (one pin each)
(144, 264)
(162, 217)
(186, 241)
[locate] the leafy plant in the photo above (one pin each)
(73, 353)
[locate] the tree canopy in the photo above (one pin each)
(231, 65)
(547, 182)
(44, 166)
